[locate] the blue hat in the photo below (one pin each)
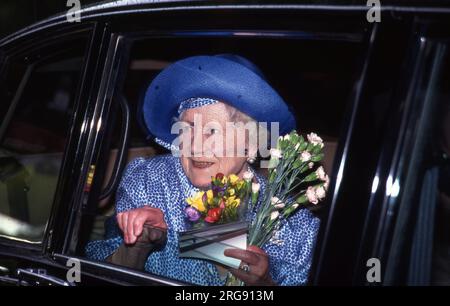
(229, 78)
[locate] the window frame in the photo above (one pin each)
(30, 47)
(123, 32)
(397, 226)
(382, 223)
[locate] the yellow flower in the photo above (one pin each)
(233, 178)
(196, 201)
(232, 202)
(236, 202)
(229, 201)
(210, 196)
(240, 184)
(231, 191)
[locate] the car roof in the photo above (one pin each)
(118, 7)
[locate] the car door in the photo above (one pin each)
(411, 238)
(57, 83)
(387, 207)
(48, 96)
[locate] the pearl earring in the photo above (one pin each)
(251, 159)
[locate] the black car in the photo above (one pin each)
(373, 81)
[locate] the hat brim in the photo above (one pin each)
(211, 77)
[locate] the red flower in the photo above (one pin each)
(213, 215)
(219, 176)
(222, 204)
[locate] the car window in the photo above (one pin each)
(315, 77)
(37, 95)
(440, 269)
(420, 247)
(430, 249)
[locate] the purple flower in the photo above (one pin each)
(217, 190)
(192, 214)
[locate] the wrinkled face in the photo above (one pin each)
(206, 134)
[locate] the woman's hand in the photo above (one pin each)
(258, 266)
(132, 222)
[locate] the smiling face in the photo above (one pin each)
(207, 157)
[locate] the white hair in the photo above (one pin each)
(238, 118)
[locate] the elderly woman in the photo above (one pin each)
(223, 88)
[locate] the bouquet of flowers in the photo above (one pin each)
(224, 202)
(294, 180)
(217, 219)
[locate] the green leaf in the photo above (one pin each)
(317, 158)
(273, 163)
(272, 176)
(297, 163)
(294, 138)
(316, 150)
(303, 146)
(301, 139)
(311, 177)
(301, 199)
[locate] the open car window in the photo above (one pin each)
(315, 77)
(37, 93)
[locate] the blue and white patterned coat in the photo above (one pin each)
(161, 182)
